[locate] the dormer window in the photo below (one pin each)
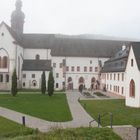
(132, 63)
(37, 57)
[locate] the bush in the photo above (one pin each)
(14, 84)
(43, 83)
(50, 84)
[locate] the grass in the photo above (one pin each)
(12, 129)
(122, 115)
(53, 108)
(75, 134)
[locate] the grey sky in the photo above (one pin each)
(108, 17)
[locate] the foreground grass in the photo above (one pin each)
(122, 115)
(12, 129)
(75, 134)
(53, 108)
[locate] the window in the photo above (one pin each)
(67, 68)
(5, 62)
(107, 76)
(57, 85)
(110, 76)
(132, 63)
(85, 69)
(78, 68)
(37, 57)
(24, 75)
(72, 68)
(7, 78)
(34, 83)
(122, 76)
(54, 65)
(96, 69)
(107, 87)
(90, 69)
(57, 75)
(90, 61)
(2, 34)
(81, 80)
(93, 80)
(114, 76)
(110, 87)
(118, 89)
(118, 77)
(132, 88)
(23, 84)
(33, 75)
(60, 65)
(122, 90)
(1, 78)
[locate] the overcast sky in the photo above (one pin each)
(108, 17)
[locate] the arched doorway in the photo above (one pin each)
(93, 82)
(132, 88)
(70, 84)
(81, 84)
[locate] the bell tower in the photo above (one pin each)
(17, 18)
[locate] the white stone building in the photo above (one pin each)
(75, 62)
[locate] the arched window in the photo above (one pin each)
(132, 63)
(34, 82)
(37, 57)
(93, 80)
(132, 88)
(0, 62)
(69, 79)
(81, 80)
(5, 62)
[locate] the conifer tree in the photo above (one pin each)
(50, 84)
(14, 84)
(43, 83)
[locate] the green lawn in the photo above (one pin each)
(53, 108)
(122, 115)
(12, 129)
(75, 134)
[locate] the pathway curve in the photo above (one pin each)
(80, 116)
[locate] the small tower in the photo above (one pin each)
(17, 18)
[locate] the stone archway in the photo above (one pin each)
(81, 84)
(93, 83)
(70, 84)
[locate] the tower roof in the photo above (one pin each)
(17, 18)
(18, 4)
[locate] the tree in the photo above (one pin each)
(43, 83)
(50, 84)
(14, 84)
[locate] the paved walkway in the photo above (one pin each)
(80, 117)
(126, 132)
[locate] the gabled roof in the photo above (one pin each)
(36, 65)
(72, 47)
(136, 49)
(117, 63)
(13, 33)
